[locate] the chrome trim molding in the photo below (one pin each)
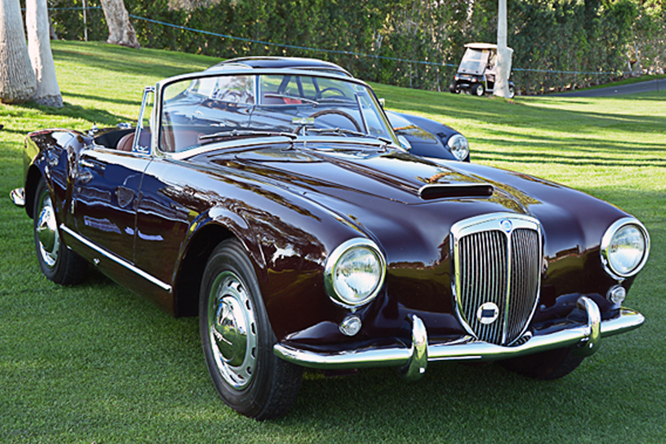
(586, 336)
(120, 261)
(17, 196)
(606, 241)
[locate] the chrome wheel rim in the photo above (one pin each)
(232, 329)
(48, 239)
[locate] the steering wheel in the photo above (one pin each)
(347, 116)
(330, 88)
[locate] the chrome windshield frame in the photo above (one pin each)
(240, 71)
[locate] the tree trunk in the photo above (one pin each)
(121, 31)
(39, 48)
(17, 81)
(503, 55)
(52, 32)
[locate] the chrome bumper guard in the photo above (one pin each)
(413, 360)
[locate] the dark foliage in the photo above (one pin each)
(586, 37)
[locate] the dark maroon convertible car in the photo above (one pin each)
(279, 205)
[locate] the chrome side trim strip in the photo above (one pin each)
(466, 348)
(120, 261)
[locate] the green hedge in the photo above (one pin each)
(589, 36)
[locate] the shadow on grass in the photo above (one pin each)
(532, 116)
(125, 60)
(555, 153)
(136, 102)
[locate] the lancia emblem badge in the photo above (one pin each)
(487, 313)
(506, 225)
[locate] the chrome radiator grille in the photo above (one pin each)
(497, 260)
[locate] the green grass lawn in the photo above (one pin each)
(95, 363)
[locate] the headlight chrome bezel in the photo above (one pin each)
(458, 145)
(607, 241)
(333, 261)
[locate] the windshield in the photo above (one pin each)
(230, 106)
(474, 61)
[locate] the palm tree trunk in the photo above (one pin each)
(39, 48)
(121, 31)
(17, 81)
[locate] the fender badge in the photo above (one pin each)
(487, 313)
(506, 225)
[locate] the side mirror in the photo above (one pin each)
(382, 102)
(404, 142)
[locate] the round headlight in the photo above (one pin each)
(354, 272)
(625, 248)
(459, 146)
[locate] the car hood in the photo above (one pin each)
(357, 174)
(382, 193)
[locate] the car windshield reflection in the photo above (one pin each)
(235, 106)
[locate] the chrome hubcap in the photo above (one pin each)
(233, 330)
(47, 233)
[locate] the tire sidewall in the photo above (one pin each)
(250, 400)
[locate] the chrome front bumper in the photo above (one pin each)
(413, 360)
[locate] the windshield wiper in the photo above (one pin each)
(336, 131)
(245, 133)
(386, 142)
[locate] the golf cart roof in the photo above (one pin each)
(481, 46)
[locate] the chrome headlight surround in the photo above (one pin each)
(356, 261)
(626, 240)
(459, 146)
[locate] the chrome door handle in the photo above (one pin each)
(86, 164)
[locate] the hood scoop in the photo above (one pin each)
(455, 190)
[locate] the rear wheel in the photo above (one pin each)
(512, 92)
(551, 364)
(479, 89)
(238, 339)
(58, 263)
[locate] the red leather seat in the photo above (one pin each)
(126, 142)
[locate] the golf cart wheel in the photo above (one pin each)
(479, 90)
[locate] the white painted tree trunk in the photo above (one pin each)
(121, 31)
(39, 48)
(17, 81)
(503, 55)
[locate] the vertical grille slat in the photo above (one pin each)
(501, 269)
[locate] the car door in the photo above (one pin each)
(104, 199)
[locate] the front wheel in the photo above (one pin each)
(479, 90)
(238, 339)
(551, 364)
(58, 263)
